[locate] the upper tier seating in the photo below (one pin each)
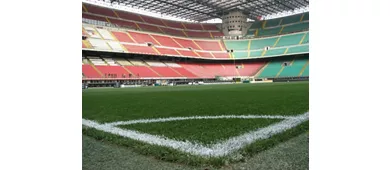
(136, 42)
(99, 10)
(122, 23)
(148, 23)
(128, 16)
(289, 24)
(198, 34)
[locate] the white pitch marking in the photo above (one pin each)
(219, 149)
(199, 117)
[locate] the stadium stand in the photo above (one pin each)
(147, 23)
(159, 37)
(295, 67)
(289, 24)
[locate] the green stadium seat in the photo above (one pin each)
(294, 69)
(261, 43)
(237, 45)
(256, 24)
(287, 40)
(306, 39)
(251, 32)
(271, 70)
(269, 32)
(272, 22)
(240, 54)
(298, 49)
(296, 27)
(306, 17)
(306, 71)
(272, 52)
(291, 19)
(255, 53)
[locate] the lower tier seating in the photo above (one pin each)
(127, 68)
(90, 72)
(142, 71)
(294, 68)
(113, 71)
(166, 72)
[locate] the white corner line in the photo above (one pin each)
(219, 149)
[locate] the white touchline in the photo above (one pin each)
(219, 149)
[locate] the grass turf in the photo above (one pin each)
(208, 131)
(108, 105)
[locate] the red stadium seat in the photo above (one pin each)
(141, 71)
(205, 54)
(167, 51)
(199, 34)
(123, 23)
(184, 72)
(173, 32)
(139, 49)
(122, 37)
(166, 72)
(152, 20)
(100, 10)
(113, 71)
(93, 17)
(129, 16)
(210, 27)
(173, 24)
(217, 34)
(209, 45)
(186, 43)
(250, 69)
(142, 38)
(90, 72)
(221, 55)
(150, 28)
(193, 26)
(166, 41)
(187, 53)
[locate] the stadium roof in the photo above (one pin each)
(203, 10)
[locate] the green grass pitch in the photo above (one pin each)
(111, 105)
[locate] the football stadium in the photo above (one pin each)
(195, 84)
